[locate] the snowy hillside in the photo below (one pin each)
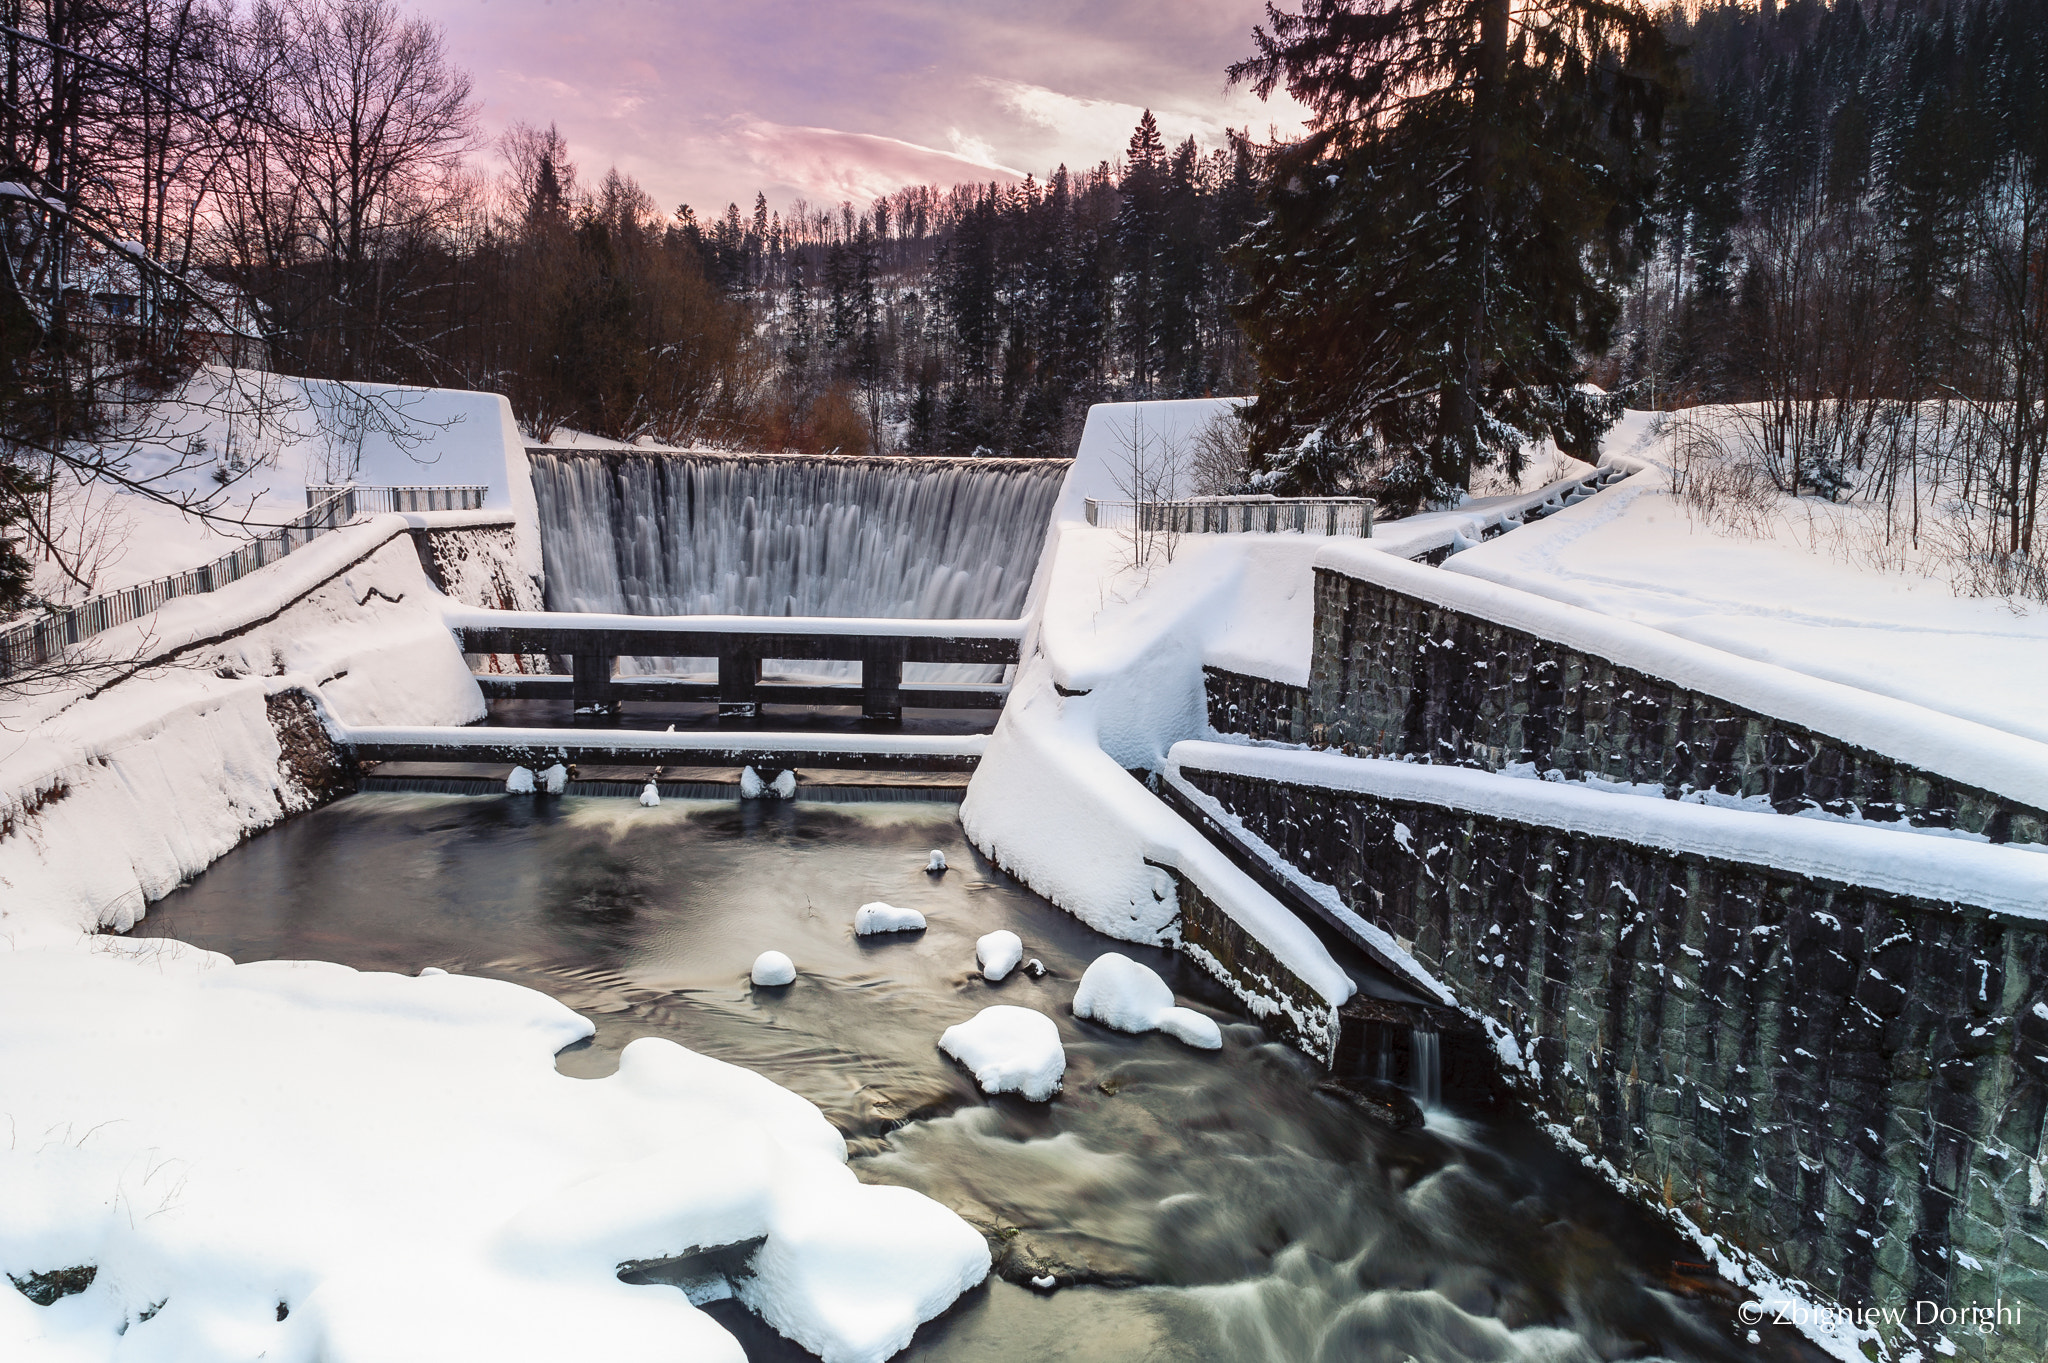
(1808, 584)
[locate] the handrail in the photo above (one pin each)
(38, 642)
(1236, 515)
(375, 501)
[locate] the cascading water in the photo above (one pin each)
(645, 533)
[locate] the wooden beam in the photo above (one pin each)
(916, 695)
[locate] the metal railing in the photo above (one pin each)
(376, 501)
(1237, 515)
(38, 642)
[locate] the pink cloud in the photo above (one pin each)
(832, 165)
(709, 100)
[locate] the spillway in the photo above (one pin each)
(646, 533)
(704, 534)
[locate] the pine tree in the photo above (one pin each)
(1443, 251)
(1140, 228)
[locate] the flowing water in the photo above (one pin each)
(1210, 1206)
(703, 534)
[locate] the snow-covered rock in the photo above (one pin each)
(785, 786)
(773, 968)
(936, 862)
(1009, 1050)
(519, 781)
(555, 779)
(294, 1160)
(751, 784)
(870, 919)
(650, 795)
(998, 953)
(1118, 992)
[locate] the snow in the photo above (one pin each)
(1111, 678)
(650, 796)
(2004, 762)
(997, 954)
(2007, 879)
(413, 437)
(476, 617)
(1105, 444)
(870, 919)
(1799, 595)
(751, 786)
(519, 781)
(1123, 994)
(555, 779)
(683, 745)
(936, 863)
(1009, 1050)
(773, 968)
(165, 757)
(396, 1162)
(784, 786)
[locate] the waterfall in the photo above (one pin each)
(1425, 1068)
(645, 533)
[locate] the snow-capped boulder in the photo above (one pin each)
(1009, 1050)
(650, 795)
(555, 779)
(519, 782)
(784, 786)
(936, 864)
(751, 784)
(877, 917)
(773, 968)
(1118, 992)
(998, 953)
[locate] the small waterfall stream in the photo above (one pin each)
(646, 533)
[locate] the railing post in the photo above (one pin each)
(881, 684)
(591, 691)
(739, 684)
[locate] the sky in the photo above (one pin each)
(706, 101)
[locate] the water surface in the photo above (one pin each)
(1193, 1205)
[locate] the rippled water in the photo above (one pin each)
(1212, 1206)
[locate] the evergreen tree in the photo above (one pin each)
(1444, 250)
(1139, 232)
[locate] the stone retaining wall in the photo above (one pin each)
(1392, 674)
(1848, 1084)
(1255, 706)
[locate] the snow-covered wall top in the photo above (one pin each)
(1959, 749)
(291, 433)
(2007, 880)
(1102, 463)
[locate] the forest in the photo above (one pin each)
(1835, 209)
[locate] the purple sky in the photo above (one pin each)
(706, 101)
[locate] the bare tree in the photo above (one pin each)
(370, 127)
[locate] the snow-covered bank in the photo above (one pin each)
(1112, 677)
(1964, 750)
(297, 1161)
(118, 784)
(309, 432)
(2005, 879)
(1793, 590)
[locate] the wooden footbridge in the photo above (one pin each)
(741, 643)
